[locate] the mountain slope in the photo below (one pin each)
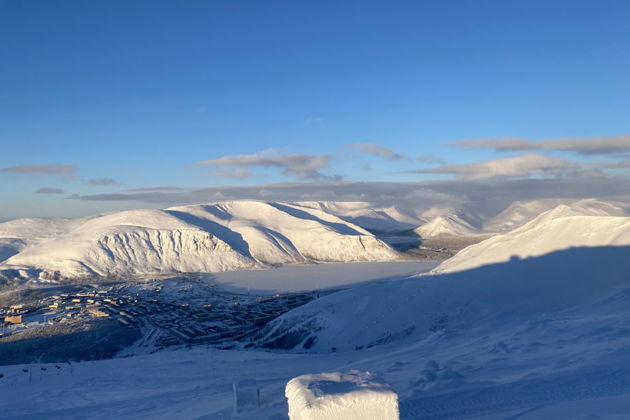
(565, 259)
(370, 216)
(520, 212)
(560, 228)
(489, 298)
(202, 238)
(448, 225)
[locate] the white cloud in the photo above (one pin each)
(585, 146)
(517, 166)
(484, 196)
(103, 182)
(619, 165)
(65, 171)
(301, 166)
(46, 190)
(232, 173)
(313, 120)
(431, 160)
(155, 189)
(378, 151)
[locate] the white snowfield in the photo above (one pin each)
(189, 239)
(563, 227)
(353, 395)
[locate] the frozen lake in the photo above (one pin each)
(299, 278)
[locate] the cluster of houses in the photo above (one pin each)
(229, 320)
(163, 322)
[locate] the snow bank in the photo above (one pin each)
(354, 395)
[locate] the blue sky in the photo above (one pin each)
(131, 94)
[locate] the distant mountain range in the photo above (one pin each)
(238, 235)
(189, 239)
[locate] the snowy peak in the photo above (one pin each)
(202, 238)
(449, 225)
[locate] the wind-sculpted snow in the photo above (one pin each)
(190, 239)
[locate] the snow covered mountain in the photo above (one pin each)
(485, 298)
(448, 225)
(201, 238)
(562, 249)
(560, 228)
(369, 216)
(520, 212)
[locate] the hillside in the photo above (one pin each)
(448, 225)
(370, 216)
(560, 228)
(493, 297)
(201, 238)
(564, 258)
(520, 212)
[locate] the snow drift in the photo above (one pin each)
(202, 238)
(354, 395)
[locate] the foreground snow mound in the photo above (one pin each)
(354, 395)
(560, 228)
(202, 238)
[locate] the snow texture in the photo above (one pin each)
(354, 395)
